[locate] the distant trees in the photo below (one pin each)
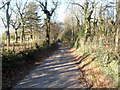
(54, 32)
(69, 25)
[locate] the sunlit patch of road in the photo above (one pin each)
(59, 71)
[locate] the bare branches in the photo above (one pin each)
(46, 4)
(5, 4)
(18, 8)
(44, 8)
(15, 23)
(78, 5)
(25, 5)
(48, 14)
(41, 4)
(53, 9)
(21, 10)
(93, 6)
(4, 22)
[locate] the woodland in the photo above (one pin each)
(90, 29)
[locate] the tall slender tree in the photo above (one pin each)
(118, 26)
(7, 4)
(21, 11)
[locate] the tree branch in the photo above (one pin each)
(78, 5)
(53, 9)
(41, 4)
(4, 22)
(4, 4)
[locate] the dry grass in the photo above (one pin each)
(92, 70)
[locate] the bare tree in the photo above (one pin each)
(48, 13)
(16, 25)
(20, 11)
(7, 25)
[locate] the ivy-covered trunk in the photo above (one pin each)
(87, 19)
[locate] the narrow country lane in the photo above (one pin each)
(58, 71)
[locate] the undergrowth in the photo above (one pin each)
(16, 65)
(11, 59)
(106, 57)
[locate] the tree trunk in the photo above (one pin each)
(8, 20)
(117, 40)
(48, 31)
(47, 37)
(8, 37)
(16, 36)
(117, 47)
(22, 33)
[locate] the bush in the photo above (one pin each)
(10, 60)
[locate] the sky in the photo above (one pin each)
(60, 14)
